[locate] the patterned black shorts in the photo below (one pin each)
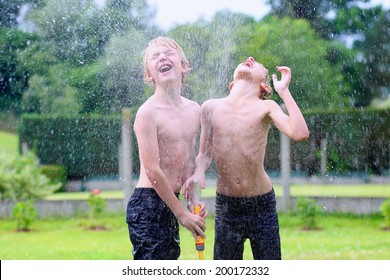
(153, 229)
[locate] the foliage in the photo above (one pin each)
(56, 174)
(308, 211)
(51, 94)
(88, 145)
(385, 210)
(96, 204)
(85, 145)
(366, 26)
(25, 214)
(97, 68)
(13, 74)
(9, 11)
(276, 42)
(21, 179)
(210, 49)
(66, 25)
(121, 71)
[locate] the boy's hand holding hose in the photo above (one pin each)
(193, 192)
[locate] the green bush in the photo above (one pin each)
(56, 174)
(96, 204)
(21, 181)
(308, 211)
(385, 210)
(25, 214)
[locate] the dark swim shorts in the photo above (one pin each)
(153, 229)
(253, 218)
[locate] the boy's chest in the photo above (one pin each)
(233, 120)
(174, 126)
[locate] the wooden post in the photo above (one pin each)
(324, 158)
(125, 162)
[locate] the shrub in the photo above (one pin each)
(308, 211)
(96, 204)
(21, 181)
(25, 213)
(385, 210)
(56, 174)
(96, 208)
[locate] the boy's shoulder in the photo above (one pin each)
(146, 109)
(212, 102)
(190, 102)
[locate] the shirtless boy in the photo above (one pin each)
(166, 126)
(235, 131)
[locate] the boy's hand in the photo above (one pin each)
(194, 223)
(282, 85)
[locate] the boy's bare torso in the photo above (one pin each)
(177, 128)
(240, 131)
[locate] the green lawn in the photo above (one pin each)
(9, 143)
(367, 190)
(341, 237)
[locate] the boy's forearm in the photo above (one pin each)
(298, 123)
(202, 163)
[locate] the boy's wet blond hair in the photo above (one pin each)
(169, 43)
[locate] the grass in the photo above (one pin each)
(9, 143)
(367, 190)
(342, 237)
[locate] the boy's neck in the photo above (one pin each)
(168, 95)
(244, 89)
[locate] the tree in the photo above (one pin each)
(367, 26)
(121, 70)
(13, 73)
(210, 46)
(51, 94)
(77, 34)
(275, 42)
(65, 25)
(9, 11)
(376, 51)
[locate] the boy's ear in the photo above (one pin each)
(185, 68)
(148, 77)
(231, 85)
(264, 88)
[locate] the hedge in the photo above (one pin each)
(85, 145)
(358, 141)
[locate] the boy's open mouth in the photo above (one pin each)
(165, 68)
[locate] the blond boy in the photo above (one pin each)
(166, 127)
